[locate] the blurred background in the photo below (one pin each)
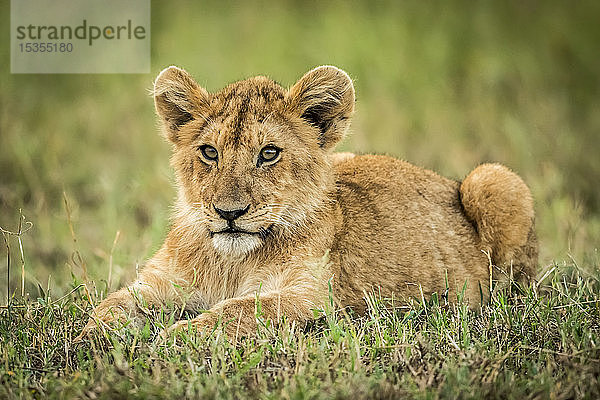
(443, 84)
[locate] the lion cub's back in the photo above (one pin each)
(400, 227)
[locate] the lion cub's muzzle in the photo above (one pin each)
(237, 231)
(233, 226)
(231, 215)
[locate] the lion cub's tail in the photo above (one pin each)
(499, 204)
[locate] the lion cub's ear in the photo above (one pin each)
(178, 99)
(324, 97)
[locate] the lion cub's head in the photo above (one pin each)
(251, 161)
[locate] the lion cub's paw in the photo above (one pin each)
(202, 325)
(109, 314)
(95, 324)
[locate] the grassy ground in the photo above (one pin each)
(445, 85)
(536, 343)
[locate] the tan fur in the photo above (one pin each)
(362, 223)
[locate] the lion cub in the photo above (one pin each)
(264, 209)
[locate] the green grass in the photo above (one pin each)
(443, 84)
(535, 343)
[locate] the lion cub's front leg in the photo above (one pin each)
(117, 308)
(238, 316)
(294, 292)
(153, 288)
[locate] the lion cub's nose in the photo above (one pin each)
(230, 215)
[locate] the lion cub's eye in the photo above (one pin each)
(209, 152)
(269, 154)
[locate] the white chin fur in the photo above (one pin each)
(235, 246)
